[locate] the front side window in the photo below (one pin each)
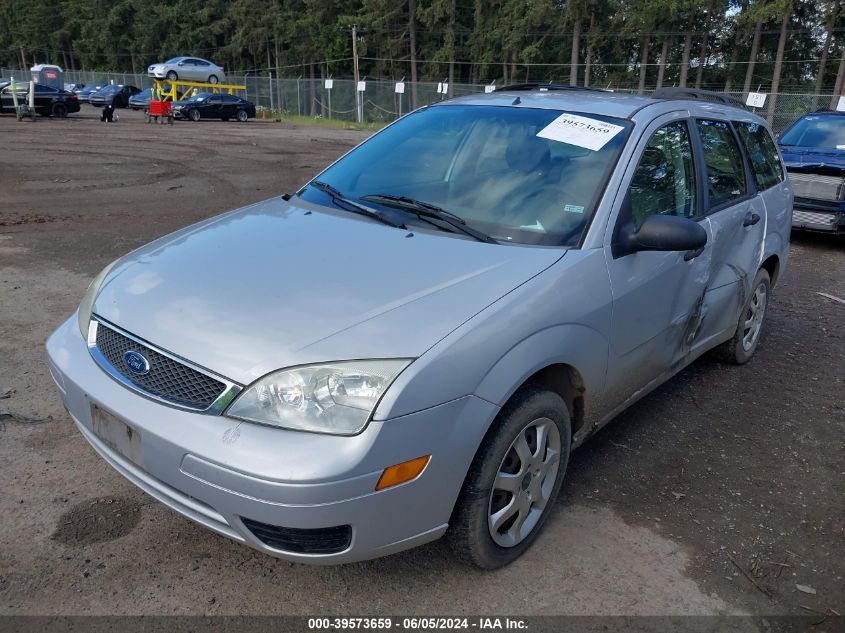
(762, 154)
(664, 182)
(499, 168)
(725, 169)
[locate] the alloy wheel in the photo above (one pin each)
(754, 318)
(524, 482)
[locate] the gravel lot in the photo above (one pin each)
(719, 493)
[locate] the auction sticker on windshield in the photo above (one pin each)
(580, 131)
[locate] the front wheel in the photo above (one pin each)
(513, 481)
(195, 115)
(172, 76)
(749, 329)
(243, 117)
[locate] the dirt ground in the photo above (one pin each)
(721, 492)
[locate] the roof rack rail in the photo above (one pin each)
(549, 86)
(696, 94)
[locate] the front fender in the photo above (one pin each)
(576, 345)
(556, 317)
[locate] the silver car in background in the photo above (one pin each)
(188, 69)
(412, 344)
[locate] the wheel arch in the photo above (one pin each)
(570, 360)
(772, 266)
(567, 382)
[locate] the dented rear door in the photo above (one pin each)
(736, 225)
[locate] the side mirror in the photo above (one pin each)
(661, 233)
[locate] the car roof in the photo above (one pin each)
(601, 102)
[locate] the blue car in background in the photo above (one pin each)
(813, 149)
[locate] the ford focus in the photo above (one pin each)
(412, 344)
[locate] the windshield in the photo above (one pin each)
(175, 60)
(816, 131)
(109, 89)
(198, 97)
(520, 175)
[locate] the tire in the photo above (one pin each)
(194, 115)
(172, 76)
(746, 339)
(58, 110)
(243, 117)
(521, 514)
(213, 79)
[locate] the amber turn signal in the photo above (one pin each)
(400, 473)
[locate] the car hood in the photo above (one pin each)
(813, 158)
(288, 283)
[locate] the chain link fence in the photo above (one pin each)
(381, 103)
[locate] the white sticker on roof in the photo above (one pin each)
(580, 131)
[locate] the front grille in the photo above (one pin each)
(330, 540)
(167, 378)
(817, 186)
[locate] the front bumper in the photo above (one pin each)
(218, 471)
(818, 216)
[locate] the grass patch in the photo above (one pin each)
(339, 124)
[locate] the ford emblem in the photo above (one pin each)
(136, 362)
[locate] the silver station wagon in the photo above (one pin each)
(412, 344)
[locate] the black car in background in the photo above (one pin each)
(114, 95)
(48, 101)
(140, 101)
(209, 105)
(84, 93)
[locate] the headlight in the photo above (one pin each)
(335, 398)
(87, 305)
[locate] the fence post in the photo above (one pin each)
(270, 74)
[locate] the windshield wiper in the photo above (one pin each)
(426, 210)
(350, 205)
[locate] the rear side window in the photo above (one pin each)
(725, 169)
(762, 153)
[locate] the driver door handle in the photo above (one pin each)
(750, 219)
(693, 254)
